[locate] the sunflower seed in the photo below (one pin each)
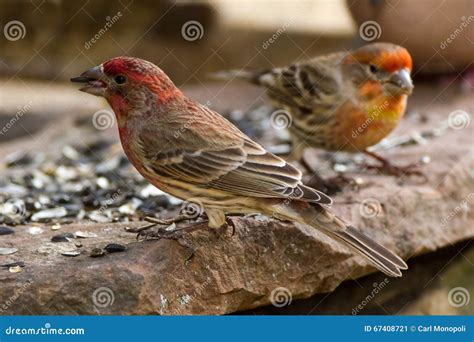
(8, 251)
(4, 230)
(114, 248)
(97, 252)
(14, 264)
(85, 235)
(70, 152)
(48, 214)
(35, 230)
(64, 237)
(71, 253)
(15, 269)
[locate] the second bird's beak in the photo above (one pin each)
(94, 79)
(401, 80)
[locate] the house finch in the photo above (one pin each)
(192, 152)
(346, 101)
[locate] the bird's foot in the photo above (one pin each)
(398, 171)
(169, 232)
(229, 223)
(166, 222)
(154, 222)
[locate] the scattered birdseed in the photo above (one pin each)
(80, 183)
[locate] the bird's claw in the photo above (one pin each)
(170, 233)
(399, 171)
(230, 223)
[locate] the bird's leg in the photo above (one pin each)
(388, 168)
(219, 231)
(170, 224)
(155, 221)
(172, 232)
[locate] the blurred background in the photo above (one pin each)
(54, 39)
(43, 43)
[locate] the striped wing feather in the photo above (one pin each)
(236, 165)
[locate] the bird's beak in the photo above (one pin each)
(402, 81)
(94, 79)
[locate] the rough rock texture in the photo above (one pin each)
(228, 274)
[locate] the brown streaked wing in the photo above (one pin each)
(310, 87)
(241, 167)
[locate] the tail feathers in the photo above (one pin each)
(249, 76)
(327, 222)
(386, 261)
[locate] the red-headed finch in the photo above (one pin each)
(346, 101)
(190, 151)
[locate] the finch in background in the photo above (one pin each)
(345, 101)
(192, 152)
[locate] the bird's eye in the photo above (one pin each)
(120, 79)
(373, 69)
